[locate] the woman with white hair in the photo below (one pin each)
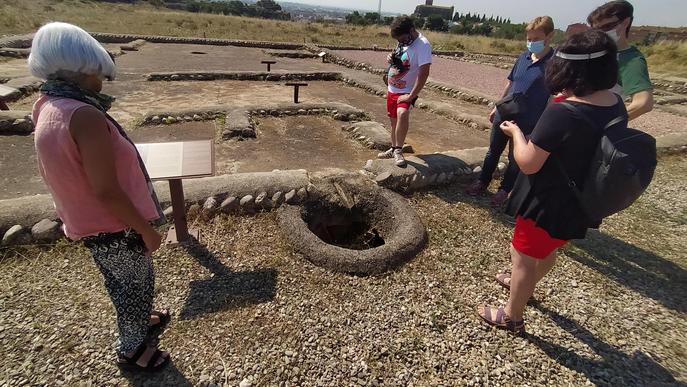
(98, 182)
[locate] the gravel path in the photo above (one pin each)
(247, 309)
(485, 79)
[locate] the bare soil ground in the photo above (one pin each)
(313, 143)
(19, 167)
(245, 306)
(190, 57)
(485, 79)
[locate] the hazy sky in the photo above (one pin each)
(672, 13)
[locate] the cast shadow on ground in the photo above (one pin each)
(630, 266)
(615, 367)
(439, 162)
(169, 376)
(225, 289)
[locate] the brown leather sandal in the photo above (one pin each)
(502, 277)
(502, 320)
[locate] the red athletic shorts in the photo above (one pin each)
(534, 241)
(392, 104)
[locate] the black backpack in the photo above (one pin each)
(620, 171)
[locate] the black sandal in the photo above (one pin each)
(130, 363)
(165, 318)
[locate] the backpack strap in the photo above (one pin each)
(591, 123)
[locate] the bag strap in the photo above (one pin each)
(588, 120)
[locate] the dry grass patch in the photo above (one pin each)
(245, 306)
(24, 16)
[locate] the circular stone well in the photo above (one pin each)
(374, 233)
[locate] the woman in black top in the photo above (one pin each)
(546, 210)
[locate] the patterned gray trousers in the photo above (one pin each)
(130, 281)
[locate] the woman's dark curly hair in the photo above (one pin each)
(584, 77)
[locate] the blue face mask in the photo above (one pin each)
(535, 47)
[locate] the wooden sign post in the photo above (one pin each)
(269, 64)
(296, 85)
(175, 161)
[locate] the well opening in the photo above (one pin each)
(350, 228)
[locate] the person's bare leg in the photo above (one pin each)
(394, 122)
(402, 126)
(522, 283)
(543, 267)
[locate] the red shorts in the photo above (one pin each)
(392, 104)
(534, 241)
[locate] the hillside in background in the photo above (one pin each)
(21, 16)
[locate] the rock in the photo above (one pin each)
(46, 230)
(168, 212)
(246, 383)
(478, 169)
(210, 206)
(262, 200)
(248, 203)
(502, 167)
(13, 235)
(155, 120)
(301, 195)
(277, 198)
(193, 210)
(290, 197)
(383, 177)
(230, 204)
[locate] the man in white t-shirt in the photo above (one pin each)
(407, 75)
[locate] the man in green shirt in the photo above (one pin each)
(615, 18)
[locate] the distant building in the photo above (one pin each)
(428, 9)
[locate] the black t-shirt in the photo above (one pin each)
(545, 196)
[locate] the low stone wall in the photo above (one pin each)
(385, 49)
(17, 41)
(503, 61)
(373, 135)
(671, 86)
(15, 122)
(452, 91)
(240, 122)
(24, 86)
(133, 46)
(460, 93)
(33, 219)
(15, 52)
(291, 54)
(426, 170)
(126, 38)
(275, 76)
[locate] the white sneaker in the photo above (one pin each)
(398, 157)
(387, 154)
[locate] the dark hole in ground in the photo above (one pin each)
(343, 227)
(198, 52)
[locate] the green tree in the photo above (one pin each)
(436, 23)
(269, 5)
(372, 17)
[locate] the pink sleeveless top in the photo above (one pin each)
(60, 164)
